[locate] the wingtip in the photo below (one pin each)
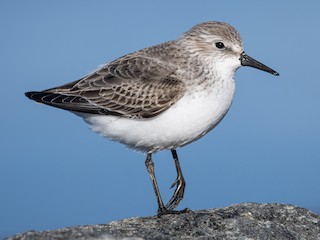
(28, 94)
(31, 95)
(35, 96)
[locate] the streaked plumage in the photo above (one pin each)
(122, 88)
(161, 97)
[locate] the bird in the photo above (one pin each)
(161, 97)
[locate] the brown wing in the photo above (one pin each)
(132, 86)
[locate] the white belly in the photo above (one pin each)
(184, 122)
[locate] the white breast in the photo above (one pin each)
(184, 122)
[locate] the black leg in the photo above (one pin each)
(179, 183)
(150, 168)
(178, 193)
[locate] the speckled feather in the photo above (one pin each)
(142, 84)
(160, 97)
(133, 86)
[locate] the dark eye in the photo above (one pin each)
(219, 45)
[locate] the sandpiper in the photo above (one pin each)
(161, 97)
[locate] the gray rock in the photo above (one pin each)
(241, 221)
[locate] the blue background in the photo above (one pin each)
(55, 172)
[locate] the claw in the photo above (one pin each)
(174, 183)
(179, 183)
(165, 211)
(178, 193)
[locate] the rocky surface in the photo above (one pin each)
(242, 221)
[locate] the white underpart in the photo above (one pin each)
(190, 118)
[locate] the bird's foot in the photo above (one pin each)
(178, 193)
(165, 211)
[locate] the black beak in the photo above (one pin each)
(248, 61)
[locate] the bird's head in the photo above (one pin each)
(222, 44)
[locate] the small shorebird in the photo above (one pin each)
(162, 97)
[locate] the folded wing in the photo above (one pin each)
(132, 87)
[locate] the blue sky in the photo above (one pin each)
(55, 172)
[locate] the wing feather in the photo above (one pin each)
(132, 86)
